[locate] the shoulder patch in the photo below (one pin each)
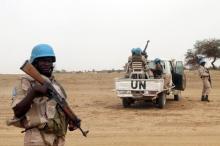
(14, 92)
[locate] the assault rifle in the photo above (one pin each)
(29, 69)
(144, 51)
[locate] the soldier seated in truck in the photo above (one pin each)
(158, 71)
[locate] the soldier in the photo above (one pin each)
(44, 122)
(158, 71)
(205, 76)
(135, 57)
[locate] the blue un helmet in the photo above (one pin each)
(138, 51)
(133, 50)
(157, 60)
(42, 50)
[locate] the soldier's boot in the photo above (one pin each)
(207, 98)
(203, 98)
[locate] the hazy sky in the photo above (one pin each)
(99, 34)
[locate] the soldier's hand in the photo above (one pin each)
(78, 122)
(73, 125)
(40, 89)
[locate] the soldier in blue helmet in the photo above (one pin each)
(43, 53)
(44, 122)
(135, 57)
(158, 71)
(206, 80)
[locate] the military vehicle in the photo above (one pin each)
(136, 88)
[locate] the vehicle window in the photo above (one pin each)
(179, 67)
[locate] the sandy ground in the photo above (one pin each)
(188, 122)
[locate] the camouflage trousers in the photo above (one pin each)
(167, 81)
(206, 86)
(35, 137)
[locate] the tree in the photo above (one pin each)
(210, 48)
(191, 58)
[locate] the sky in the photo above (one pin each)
(99, 34)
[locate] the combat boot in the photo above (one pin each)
(203, 98)
(207, 98)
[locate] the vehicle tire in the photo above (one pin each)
(176, 97)
(126, 102)
(161, 100)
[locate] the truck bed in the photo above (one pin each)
(126, 87)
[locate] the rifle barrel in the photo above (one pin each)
(146, 46)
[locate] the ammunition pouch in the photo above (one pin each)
(57, 125)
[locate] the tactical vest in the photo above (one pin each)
(137, 63)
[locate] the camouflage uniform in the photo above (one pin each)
(167, 81)
(158, 72)
(45, 123)
(204, 75)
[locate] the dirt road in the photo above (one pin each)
(188, 122)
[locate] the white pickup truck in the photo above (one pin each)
(150, 89)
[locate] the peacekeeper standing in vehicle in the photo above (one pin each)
(44, 122)
(206, 80)
(135, 57)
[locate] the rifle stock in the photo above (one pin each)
(32, 71)
(29, 69)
